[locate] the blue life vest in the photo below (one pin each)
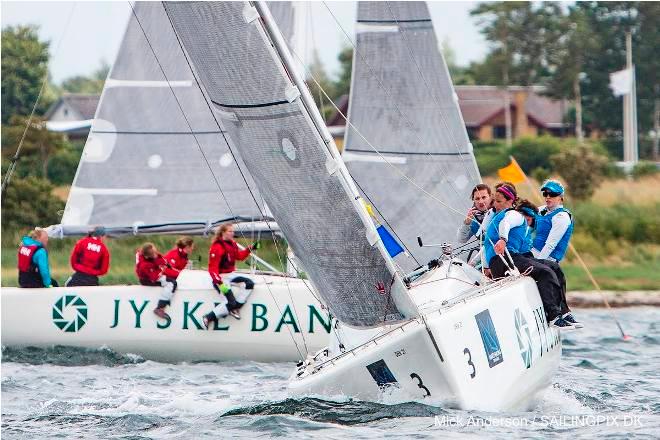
(474, 227)
(543, 228)
(517, 242)
(529, 238)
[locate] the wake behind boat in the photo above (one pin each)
(467, 339)
(280, 321)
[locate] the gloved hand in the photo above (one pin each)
(255, 246)
(224, 288)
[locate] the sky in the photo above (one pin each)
(83, 34)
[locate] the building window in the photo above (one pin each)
(499, 132)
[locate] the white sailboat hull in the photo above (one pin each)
(492, 350)
(279, 311)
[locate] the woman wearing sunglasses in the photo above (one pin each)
(554, 228)
(507, 235)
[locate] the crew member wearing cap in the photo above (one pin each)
(505, 242)
(554, 228)
(90, 259)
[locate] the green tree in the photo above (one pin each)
(520, 35)
(533, 153)
(92, 84)
(318, 82)
(39, 144)
(609, 22)
(459, 75)
(582, 169)
(343, 82)
(29, 202)
(568, 62)
(24, 68)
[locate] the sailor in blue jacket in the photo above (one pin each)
(509, 232)
(554, 228)
(33, 268)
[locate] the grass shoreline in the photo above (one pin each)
(612, 274)
(627, 258)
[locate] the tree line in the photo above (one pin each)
(571, 50)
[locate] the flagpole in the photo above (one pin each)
(577, 255)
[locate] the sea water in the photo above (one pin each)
(605, 388)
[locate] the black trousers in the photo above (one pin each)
(82, 279)
(32, 280)
(546, 280)
(562, 283)
(560, 276)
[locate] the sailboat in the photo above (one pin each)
(437, 333)
(156, 162)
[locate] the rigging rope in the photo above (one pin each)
(433, 96)
(388, 94)
(204, 155)
(371, 202)
(14, 160)
(277, 249)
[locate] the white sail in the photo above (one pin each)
(403, 102)
(155, 160)
(298, 175)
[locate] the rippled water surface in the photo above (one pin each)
(606, 388)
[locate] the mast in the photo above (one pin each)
(336, 164)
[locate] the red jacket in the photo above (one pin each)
(223, 256)
(177, 260)
(149, 270)
(90, 256)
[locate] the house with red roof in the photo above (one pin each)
(483, 109)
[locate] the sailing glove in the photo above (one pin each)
(256, 246)
(224, 288)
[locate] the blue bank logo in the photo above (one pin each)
(524, 337)
(489, 338)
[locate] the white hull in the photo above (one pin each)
(446, 360)
(121, 317)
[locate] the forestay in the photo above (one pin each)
(263, 114)
(141, 164)
(403, 102)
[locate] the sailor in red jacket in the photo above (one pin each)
(176, 260)
(223, 255)
(90, 259)
(149, 267)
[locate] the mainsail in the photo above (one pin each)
(155, 159)
(297, 173)
(402, 101)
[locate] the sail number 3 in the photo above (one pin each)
(420, 384)
(469, 362)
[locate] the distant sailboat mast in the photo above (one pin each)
(402, 100)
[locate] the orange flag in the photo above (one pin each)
(512, 172)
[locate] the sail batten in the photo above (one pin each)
(402, 101)
(290, 162)
(155, 154)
